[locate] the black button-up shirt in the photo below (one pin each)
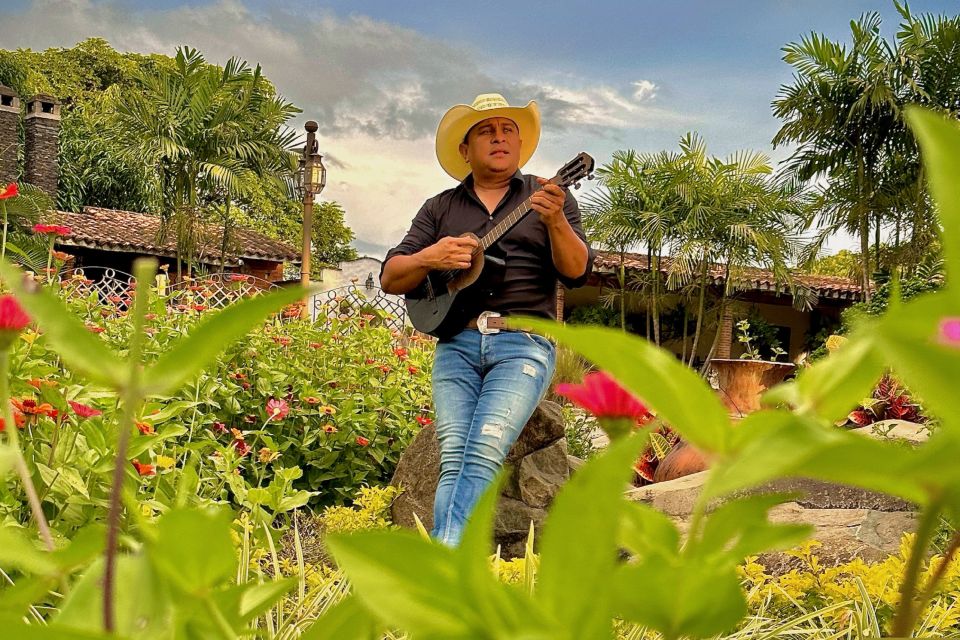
(530, 280)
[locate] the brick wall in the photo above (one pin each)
(9, 135)
(42, 143)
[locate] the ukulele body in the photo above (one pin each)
(436, 307)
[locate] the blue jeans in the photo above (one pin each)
(485, 388)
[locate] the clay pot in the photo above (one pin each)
(683, 460)
(742, 382)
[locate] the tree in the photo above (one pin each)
(204, 130)
(844, 111)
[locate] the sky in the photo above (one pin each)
(377, 75)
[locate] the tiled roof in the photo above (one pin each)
(756, 279)
(128, 231)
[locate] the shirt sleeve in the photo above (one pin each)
(422, 234)
(572, 211)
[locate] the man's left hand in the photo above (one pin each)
(548, 202)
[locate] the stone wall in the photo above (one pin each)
(42, 144)
(9, 135)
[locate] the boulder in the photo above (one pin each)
(539, 467)
(848, 522)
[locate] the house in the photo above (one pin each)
(757, 292)
(111, 238)
(364, 272)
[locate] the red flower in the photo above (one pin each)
(94, 328)
(370, 361)
(277, 409)
(362, 441)
(145, 428)
(860, 417)
(424, 421)
(316, 345)
(52, 229)
(150, 316)
(384, 368)
(83, 410)
(241, 447)
(412, 370)
(618, 410)
(283, 340)
(219, 428)
(11, 191)
(144, 469)
(601, 395)
(199, 307)
(12, 316)
(400, 352)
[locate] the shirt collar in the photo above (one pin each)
(468, 181)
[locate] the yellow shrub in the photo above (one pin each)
(371, 510)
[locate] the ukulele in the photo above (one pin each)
(433, 305)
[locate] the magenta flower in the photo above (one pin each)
(950, 331)
(618, 410)
(277, 409)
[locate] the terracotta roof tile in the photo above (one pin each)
(757, 279)
(128, 231)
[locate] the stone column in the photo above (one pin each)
(725, 342)
(42, 143)
(9, 135)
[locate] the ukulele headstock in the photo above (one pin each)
(581, 167)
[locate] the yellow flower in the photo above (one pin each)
(165, 462)
(328, 410)
(834, 342)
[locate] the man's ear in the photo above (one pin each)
(463, 151)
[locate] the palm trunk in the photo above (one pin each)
(649, 313)
(863, 220)
(223, 244)
(700, 310)
(622, 276)
(686, 321)
(656, 299)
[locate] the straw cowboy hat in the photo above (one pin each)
(456, 122)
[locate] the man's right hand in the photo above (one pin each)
(450, 253)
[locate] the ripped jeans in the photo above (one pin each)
(485, 388)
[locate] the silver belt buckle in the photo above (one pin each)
(482, 322)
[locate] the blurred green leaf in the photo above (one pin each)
(741, 527)
(80, 349)
(210, 337)
(835, 385)
(578, 551)
(256, 599)
(645, 530)
(347, 620)
(407, 581)
(939, 140)
(142, 605)
(193, 549)
(17, 551)
(677, 394)
(679, 597)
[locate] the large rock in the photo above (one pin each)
(539, 465)
(848, 522)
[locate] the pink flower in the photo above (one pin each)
(52, 229)
(950, 331)
(13, 319)
(11, 190)
(618, 410)
(277, 409)
(219, 428)
(83, 410)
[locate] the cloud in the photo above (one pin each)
(376, 89)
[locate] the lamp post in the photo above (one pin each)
(312, 178)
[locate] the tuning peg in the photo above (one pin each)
(589, 176)
(576, 185)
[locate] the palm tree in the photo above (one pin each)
(206, 132)
(843, 112)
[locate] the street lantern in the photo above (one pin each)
(311, 179)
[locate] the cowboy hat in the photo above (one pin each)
(458, 120)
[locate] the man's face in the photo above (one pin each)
(493, 147)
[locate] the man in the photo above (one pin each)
(487, 382)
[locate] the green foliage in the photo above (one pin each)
(596, 314)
